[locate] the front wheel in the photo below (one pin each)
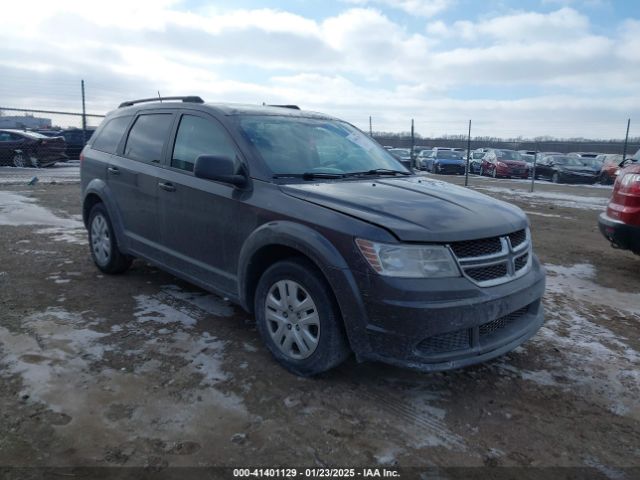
(104, 246)
(19, 160)
(298, 318)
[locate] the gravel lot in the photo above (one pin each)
(146, 370)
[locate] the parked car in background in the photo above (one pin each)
(445, 161)
(422, 158)
(503, 163)
(594, 164)
(565, 169)
(30, 149)
(335, 247)
(620, 224)
(74, 139)
(476, 160)
(402, 154)
(611, 165)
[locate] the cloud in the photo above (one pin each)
(353, 64)
(423, 8)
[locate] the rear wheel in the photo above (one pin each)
(104, 246)
(298, 318)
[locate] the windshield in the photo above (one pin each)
(507, 155)
(294, 145)
(591, 162)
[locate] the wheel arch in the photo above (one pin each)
(97, 191)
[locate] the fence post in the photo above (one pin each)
(84, 116)
(466, 174)
(533, 173)
(413, 142)
(626, 140)
(370, 128)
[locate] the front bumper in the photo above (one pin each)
(450, 168)
(575, 178)
(620, 234)
(434, 325)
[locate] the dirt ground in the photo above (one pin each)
(147, 370)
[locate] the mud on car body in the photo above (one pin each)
(303, 220)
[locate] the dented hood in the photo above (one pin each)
(416, 209)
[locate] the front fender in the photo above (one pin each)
(324, 255)
(101, 189)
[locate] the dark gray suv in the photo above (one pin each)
(305, 221)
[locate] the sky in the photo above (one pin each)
(528, 68)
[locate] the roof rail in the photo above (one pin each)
(293, 107)
(188, 99)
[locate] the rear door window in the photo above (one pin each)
(109, 138)
(198, 136)
(147, 136)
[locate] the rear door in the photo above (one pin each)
(201, 219)
(133, 179)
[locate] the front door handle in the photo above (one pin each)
(167, 186)
(114, 170)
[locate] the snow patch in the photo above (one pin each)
(555, 198)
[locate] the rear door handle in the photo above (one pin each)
(167, 186)
(114, 170)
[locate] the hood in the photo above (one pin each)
(514, 163)
(416, 209)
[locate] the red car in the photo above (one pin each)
(504, 163)
(620, 224)
(30, 149)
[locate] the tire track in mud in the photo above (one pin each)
(414, 417)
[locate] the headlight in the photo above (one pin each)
(409, 261)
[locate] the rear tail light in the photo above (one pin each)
(629, 184)
(81, 157)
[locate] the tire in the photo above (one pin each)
(103, 244)
(310, 348)
(19, 160)
(555, 178)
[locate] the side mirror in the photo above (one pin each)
(218, 168)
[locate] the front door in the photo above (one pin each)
(201, 218)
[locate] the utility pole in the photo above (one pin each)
(626, 140)
(413, 142)
(370, 128)
(84, 116)
(466, 172)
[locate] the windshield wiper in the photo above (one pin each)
(379, 171)
(309, 175)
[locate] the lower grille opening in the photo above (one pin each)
(447, 342)
(521, 262)
(502, 322)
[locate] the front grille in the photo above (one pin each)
(521, 261)
(446, 342)
(477, 248)
(482, 274)
(494, 260)
(499, 323)
(517, 238)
